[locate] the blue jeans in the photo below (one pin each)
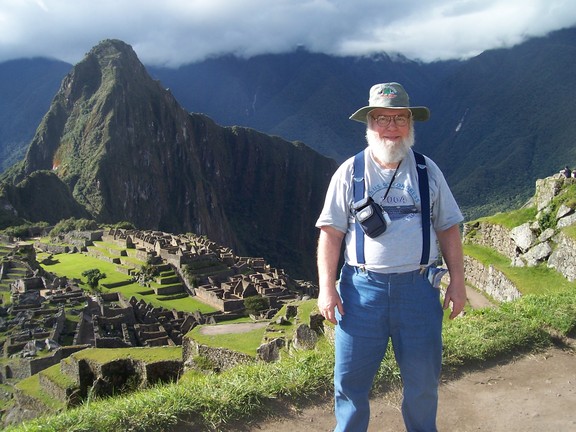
(405, 308)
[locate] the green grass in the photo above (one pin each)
(104, 355)
(545, 314)
(72, 266)
(31, 385)
(528, 280)
(55, 375)
(247, 342)
(186, 304)
(570, 231)
(529, 323)
(512, 219)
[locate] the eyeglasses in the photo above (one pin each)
(400, 120)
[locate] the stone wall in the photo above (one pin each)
(491, 281)
(563, 258)
(221, 358)
(492, 236)
(527, 245)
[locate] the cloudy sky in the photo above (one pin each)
(175, 32)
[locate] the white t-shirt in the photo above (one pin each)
(399, 248)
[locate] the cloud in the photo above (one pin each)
(175, 32)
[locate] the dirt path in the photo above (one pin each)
(533, 393)
(231, 328)
(530, 393)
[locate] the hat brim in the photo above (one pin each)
(419, 113)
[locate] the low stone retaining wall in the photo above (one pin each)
(492, 236)
(563, 258)
(220, 357)
(490, 280)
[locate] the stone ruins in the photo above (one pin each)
(39, 334)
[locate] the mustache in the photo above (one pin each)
(389, 151)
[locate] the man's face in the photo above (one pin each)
(393, 131)
(390, 133)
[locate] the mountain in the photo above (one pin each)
(300, 95)
(127, 151)
(506, 120)
(499, 120)
(26, 88)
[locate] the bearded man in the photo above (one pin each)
(384, 291)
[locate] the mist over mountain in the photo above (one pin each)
(127, 151)
(499, 120)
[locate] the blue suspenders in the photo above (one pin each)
(359, 186)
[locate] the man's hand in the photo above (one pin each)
(451, 247)
(328, 302)
(329, 245)
(455, 294)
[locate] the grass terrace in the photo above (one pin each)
(72, 266)
(211, 401)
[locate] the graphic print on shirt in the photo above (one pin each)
(400, 202)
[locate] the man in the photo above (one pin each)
(388, 296)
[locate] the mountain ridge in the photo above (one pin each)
(505, 141)
(127, 151)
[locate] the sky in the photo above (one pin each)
(175, 32)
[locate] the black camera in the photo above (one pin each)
(372, 218)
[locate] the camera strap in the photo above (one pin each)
(423, 187)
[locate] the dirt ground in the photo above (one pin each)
(528, 393)
(531, 393)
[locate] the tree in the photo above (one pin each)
(256, 304)
(93, 276)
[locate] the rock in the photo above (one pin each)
(490, 280)
(31, 348)
(51, 345)
(317, 322)
(546, 235)
(564, 210)
(282, 321)
(537, 254)
(566, 221)
(305, 337)
(291, 311)
(270, 351)
(546, 190)
(563, 258)
(523, 236)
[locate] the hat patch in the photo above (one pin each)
(388, 92)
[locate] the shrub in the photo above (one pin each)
(73, 224)
(256, 304)
(93, 276)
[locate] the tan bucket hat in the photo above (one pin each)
(390, 95)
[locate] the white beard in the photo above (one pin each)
(387, 151)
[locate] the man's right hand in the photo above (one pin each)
(329, 245)
(328, 302)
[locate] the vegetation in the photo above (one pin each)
(25, 230)
(256, 304)
(73, 224)
(214, 400)
(529, 280)
(513, 218)
(93, 277)
(73, 265)
(202, 399)
(566, 198)
(247, 344)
